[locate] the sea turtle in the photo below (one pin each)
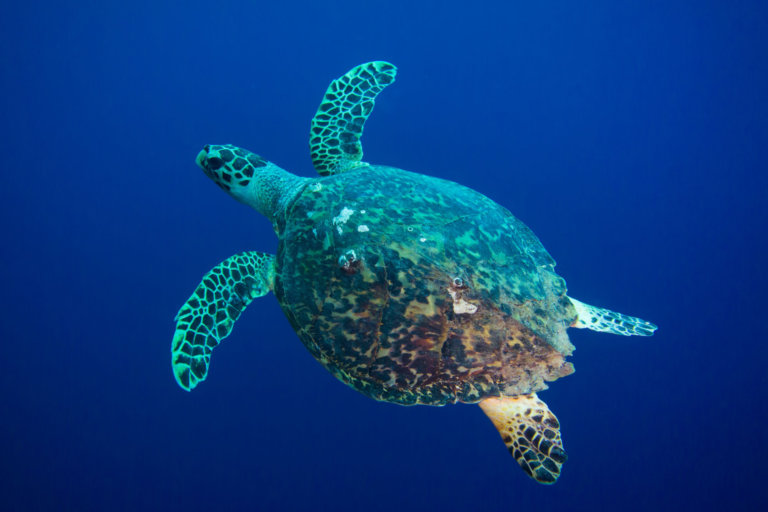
(409, 288)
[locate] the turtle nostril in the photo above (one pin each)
(207, 148)
(215, 163)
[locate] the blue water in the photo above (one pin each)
(631, 138)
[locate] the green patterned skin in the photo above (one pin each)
(209, 314)
(249, 178)
(410, 289)
(334, 140)
(413, 289)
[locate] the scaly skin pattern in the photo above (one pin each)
(531, 433)
(413, 289)
(209, 314)
(334, 141)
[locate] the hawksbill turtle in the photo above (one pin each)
(408, 288)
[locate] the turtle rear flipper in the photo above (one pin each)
(209, 314)
(605, 320)
(531, 433)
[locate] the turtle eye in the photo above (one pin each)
(215, 163)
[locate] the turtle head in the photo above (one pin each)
(249, 178)
(229, 167)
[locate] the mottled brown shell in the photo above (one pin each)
(413, 289)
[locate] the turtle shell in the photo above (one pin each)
(413, 289)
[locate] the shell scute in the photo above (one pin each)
(444, 295)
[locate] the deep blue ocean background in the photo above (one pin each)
(632, 137)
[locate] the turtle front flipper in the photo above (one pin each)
(531, 433)
(334, 139)
(605, 320)
(209, 314)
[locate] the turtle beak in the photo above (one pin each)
(202, 156)
(210, 163)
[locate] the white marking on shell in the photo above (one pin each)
(461, 306)
(362, 228)
(422, 239)
(343, 216)
(464, 307)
